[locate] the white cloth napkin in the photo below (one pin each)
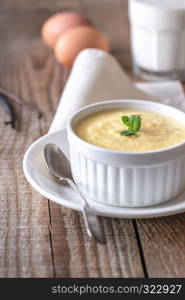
(97, 76)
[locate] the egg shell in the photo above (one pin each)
(59, 23)
(75, 40)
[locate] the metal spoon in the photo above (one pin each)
(59, 166)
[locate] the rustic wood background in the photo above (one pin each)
(37, 237)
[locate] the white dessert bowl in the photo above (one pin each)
(127, 179)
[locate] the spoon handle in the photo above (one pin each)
(93, 226)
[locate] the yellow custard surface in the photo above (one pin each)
(157, 131)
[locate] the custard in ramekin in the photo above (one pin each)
(128, 177)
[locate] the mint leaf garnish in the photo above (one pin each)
(133, 123)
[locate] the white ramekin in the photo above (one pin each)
(131, 179)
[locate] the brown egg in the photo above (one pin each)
(74, 40)
(59, 23)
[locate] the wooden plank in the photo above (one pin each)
(24, 244)
(28, 5)
(163, 243)
(76, 256)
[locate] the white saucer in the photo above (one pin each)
(37, 175)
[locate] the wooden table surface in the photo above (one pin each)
(37, 237)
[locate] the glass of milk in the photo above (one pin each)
(158, 38)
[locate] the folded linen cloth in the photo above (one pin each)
(97, 76)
